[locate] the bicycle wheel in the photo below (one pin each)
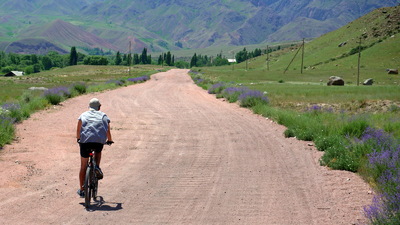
(87, 187)
(95, 187)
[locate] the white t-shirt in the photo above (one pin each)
(94, 127)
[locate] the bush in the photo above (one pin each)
(355, 127)
(6, 129)
(56, 95)
(80, 88)
(217, 88)
(232, 93)
(251, 98)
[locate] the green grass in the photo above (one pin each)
(13, 87)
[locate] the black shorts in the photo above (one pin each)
(86, 148)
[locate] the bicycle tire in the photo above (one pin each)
(87, 187)
(95, 187)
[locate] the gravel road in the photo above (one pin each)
(180, 156)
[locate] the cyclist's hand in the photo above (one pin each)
(109, 142)
(77, 140)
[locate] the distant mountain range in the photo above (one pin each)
(37, 26)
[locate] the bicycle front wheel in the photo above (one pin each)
(87, 187)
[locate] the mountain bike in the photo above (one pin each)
(91, 181)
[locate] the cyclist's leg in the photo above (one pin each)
(97, 157)
(98, 147)
(82, 172)
(84, 152)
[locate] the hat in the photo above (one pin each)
(94, 103)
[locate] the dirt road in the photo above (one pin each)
(180, 156)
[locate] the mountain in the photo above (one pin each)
(175, 24)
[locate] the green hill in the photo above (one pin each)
(380, 38)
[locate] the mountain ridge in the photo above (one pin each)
(162, 25)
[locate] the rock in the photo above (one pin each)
(38, 89)
(334, 80)
(392, 71)
(369, 81)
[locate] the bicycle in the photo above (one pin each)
(91, 181)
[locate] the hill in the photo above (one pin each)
(332, 54)
(182, 24)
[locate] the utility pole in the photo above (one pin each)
(292, 60)
(130, 57)
(359, 60)
(233, 62)
(267, 58)
(302, 58)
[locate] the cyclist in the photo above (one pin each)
(92, 132)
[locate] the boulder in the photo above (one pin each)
(369, 81)
(334, 80)
(38, 89)
(392, 71)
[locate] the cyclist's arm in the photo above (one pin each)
(78, 129)
(109, 138)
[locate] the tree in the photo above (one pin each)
(193, 61)
(168, 59)
(47, 63)
(149, 59)
(241, 56)
(136, 59)
(160, 60)
(143, 58)
(73, 57)
(118, 59)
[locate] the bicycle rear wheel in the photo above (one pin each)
(87, 187)
(95, 187)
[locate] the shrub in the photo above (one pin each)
(251, 98)
(56, 95)
(139, 79)
(6, 129)
(80, 88)
(232, 93)
(217, 88)
(384, 169)
(13, 110)
(355, 127)
(116, 82)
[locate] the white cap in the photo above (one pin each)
(94, 103)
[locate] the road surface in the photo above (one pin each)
(180, 156)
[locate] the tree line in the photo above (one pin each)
(32, 63)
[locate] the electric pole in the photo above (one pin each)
(130, 57)
(359, 60)
(267, 58)
(302, 58)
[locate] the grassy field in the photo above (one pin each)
(13, 87)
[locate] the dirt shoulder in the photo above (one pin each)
(180, 156)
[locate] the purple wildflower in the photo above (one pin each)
(217, 88)
(251, 98)
(62, 91)
(139, 79)
(384, 161)
(11, 106)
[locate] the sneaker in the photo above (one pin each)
(99, 173)
(81, 193)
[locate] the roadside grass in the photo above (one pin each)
(61, 85)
